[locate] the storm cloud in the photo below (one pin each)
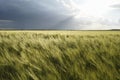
(46, 14)
(29, 14)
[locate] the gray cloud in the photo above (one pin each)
(31, 14)
(6, 23)
(46, 14)
(116, 6)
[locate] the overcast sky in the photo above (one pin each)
(60, 14)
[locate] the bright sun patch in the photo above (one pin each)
(90, 8)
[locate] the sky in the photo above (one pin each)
(60, 14)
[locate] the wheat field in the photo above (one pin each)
(59, 55)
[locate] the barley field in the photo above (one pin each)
(59, 55)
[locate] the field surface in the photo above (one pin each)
(59, 55)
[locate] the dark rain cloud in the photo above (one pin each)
(43, 14)
(29, 14)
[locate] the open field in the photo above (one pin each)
(59, 55)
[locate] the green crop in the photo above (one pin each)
(59, 55)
